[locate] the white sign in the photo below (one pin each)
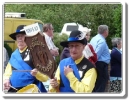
(32, 29)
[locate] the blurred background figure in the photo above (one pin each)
(65, 53)
(103, 57)
(48, 33)
(48, 30)
(6, 57)
(115, 73)
(88, 51)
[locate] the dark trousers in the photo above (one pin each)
(102, 76)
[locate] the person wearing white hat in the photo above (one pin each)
(88, 51)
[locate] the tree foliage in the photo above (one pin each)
(117, 21)
(89, 15)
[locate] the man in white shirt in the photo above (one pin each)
(48, 33)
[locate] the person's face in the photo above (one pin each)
(76, 50)
(50, 31)
(20, 41)
(106, 33)
(88, 36)
(119, 46)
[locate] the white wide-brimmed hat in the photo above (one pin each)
(85, 29)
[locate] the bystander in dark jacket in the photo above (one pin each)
(65, 53)
(115, 73)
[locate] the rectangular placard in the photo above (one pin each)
(32, 29)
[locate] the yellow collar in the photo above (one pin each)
(22, 50)
(79, 60)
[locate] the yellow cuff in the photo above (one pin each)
(53, 89)
(70, 75)
(38, 73)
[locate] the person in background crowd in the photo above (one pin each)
(65, 53)
(88, 51)
(75, 73)
(15, 75)
(116, 70)
(48, 33)
(103, 57)
(6, 57)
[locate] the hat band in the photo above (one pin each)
(17, 31)
(73, 39)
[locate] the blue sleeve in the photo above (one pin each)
(100, 48)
